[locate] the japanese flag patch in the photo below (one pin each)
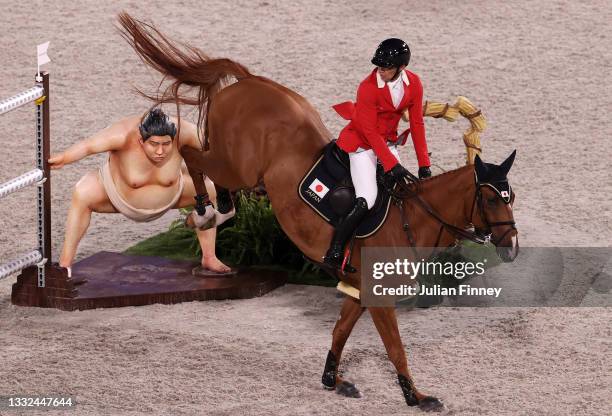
(318, 188)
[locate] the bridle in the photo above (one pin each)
(403, 191)
(504, 192)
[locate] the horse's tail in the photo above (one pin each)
(182, 63)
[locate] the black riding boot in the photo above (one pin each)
(343, 232)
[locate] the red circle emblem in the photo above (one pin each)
(319, 188)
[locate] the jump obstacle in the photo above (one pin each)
(105, 279)
(113, 279)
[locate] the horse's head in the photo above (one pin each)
(494, 199)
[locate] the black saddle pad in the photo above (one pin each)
(328, 190)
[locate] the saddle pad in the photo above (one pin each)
(315, 189)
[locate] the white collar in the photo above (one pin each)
(382, 83)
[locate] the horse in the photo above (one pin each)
(258, 131)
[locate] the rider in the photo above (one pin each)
(382, 98)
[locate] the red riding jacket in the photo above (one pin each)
(374, 119)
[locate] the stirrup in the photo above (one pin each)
(348, 268)
(343, 266)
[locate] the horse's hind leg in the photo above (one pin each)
(349, 315)
(386, 324)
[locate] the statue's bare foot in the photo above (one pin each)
(213, 264)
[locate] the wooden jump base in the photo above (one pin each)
(115, 280)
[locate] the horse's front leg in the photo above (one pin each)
(386, 324)
(196, 166)
(204, 215)
(349, 315)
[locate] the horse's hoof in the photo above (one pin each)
(221, 218)
(430, 404)
(348, 389)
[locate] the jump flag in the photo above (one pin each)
(42, 57)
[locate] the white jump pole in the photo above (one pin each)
(20, 182)
(28, 259)
(21, 99)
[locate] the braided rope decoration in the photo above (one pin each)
(464, 107)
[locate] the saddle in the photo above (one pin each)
(328, 189)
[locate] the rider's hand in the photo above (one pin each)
(57, 161)
(424, 172)
(398, 172)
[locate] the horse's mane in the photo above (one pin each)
(446, 174)
(418, 187)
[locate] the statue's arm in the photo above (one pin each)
(111, 138)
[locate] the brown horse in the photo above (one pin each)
(257, 130)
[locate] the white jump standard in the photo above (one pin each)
(39, 94)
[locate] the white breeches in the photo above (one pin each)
(363, 173)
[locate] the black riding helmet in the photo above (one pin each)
(391, 52)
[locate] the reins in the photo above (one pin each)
(405, 193)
